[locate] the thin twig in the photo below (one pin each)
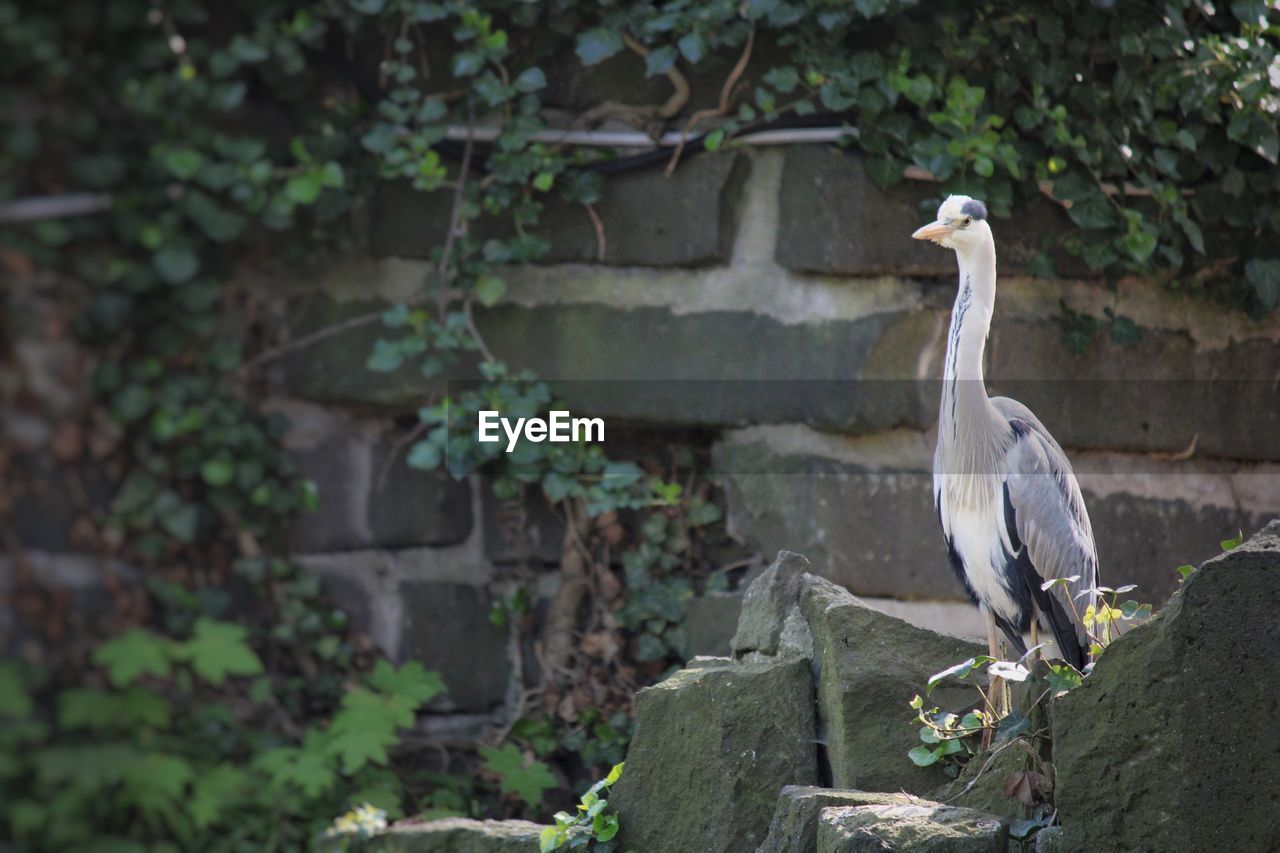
(455, 214)
(680, 96)
(272, 353)
(396, 447)
(598, 224)
(722, 109)
(485, 352)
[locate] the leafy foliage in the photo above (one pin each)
(225, 133)
(590, 827)
(144, 760)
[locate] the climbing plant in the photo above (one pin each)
(207, 137)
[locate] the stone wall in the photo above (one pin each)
(771, 299)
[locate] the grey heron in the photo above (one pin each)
(1011, 510)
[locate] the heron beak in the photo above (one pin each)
(934, 231)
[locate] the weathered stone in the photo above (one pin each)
(869, 667)
(649, 219)
(767, 604)
(794, 827)
(1166, 745)
(409, 507)
(713, 746)
(1050, 840)
(713, 368)
(333, 370)
(447, 629)
(1162, 393)
(862, 509)
(456, 835)
(710, 621)
(520, 531)
(367, 500)
(835, 219)
(980, 784)
(919, 828)
(864, 517)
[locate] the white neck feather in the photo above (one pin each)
(966, 418)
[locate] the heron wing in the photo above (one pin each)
(1048, 526)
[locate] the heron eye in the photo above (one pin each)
(968, 219)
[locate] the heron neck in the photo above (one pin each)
(966, 410)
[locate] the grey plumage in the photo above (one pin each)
(1008, 502)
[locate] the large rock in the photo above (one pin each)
(1169, 744)
(919, 828)
(648, 219)
(794, 827)
(456, 835)
(713, 746)
(771, 609)
(870, 665)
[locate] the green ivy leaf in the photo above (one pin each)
(597, 45)
(410, 681)
(183, 163)
(219, 649)
(15, 701)
(308, 768)
(528, 780)
(176, 264)
(490, 289)
(922, 756)
(659, 61)
(218, 472)
(1264, 275)
(215, 791)
(133, 654)
(467, 63)
(692, 47)
(530, 80)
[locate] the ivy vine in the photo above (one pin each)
(209, 137)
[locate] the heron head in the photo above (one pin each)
(961, 223)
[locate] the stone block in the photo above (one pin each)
(863, 513)
(686, 220)
(918, 827)
(794, 827)
(1160, 394)
(454, 835)
(333, 369)
(710, 621)
(447, 629)
(713, 746)
(869, 666)
(1165, 745)
(721, 367)
(836, 220)
(527, 530)
(769, 604)
(360, 507)
(409, 507)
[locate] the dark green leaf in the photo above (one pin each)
(597, 45)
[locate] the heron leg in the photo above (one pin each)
(1035, 629)
(995, 689)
